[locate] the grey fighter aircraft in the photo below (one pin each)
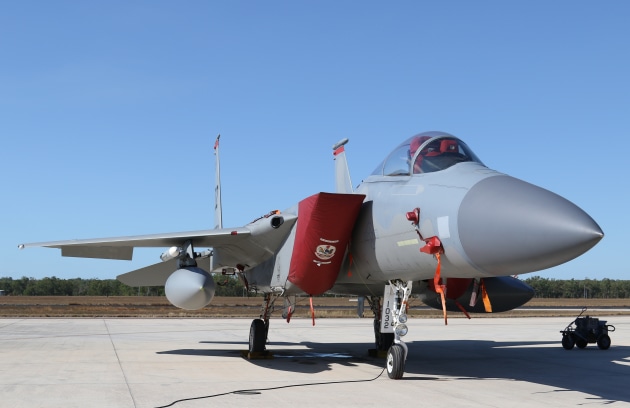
(431, 217)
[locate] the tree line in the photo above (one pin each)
(230, 286)
(579, 288)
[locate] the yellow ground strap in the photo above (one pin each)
(486, 299)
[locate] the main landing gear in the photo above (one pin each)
(389, 325)
(258, 335)
(390, 316)
(260, 327)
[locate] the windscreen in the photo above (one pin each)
(426, 153)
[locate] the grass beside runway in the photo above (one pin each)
(223, 307)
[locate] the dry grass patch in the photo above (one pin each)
(325, 307)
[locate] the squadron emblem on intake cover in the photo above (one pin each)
(325, 252)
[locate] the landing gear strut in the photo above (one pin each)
(390, 316)
(382, 341)
(396, 301)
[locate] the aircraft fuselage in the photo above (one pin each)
(489, 224)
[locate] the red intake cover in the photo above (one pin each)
(324, 226)
(455, 287)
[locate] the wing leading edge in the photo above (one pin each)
(122, 247)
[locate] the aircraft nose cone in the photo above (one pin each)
(507, 226)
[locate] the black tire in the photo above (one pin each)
(395, 362)
(568, 342)
(603, 342)
(581, 343)
(257, 336)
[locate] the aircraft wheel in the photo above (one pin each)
(603, 342)
(568, 342)
(581, 343)
(396, 362)
(257, 336)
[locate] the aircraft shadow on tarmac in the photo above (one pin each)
(603, 374)
(592, 371)
(304, 357)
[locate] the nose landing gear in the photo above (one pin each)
(389, 325)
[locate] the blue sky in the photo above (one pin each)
(109, 110)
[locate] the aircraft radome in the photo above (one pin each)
(431, 217)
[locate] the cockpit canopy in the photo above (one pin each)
(425, 153)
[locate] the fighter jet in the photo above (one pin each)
(431, 220)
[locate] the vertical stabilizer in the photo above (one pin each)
(218, 212)
(343, 184)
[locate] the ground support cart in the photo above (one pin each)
(584, 330)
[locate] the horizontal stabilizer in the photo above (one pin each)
(156, 274)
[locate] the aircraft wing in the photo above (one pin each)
(248, 245)
(122, 247)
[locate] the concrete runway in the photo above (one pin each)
(493, 362)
